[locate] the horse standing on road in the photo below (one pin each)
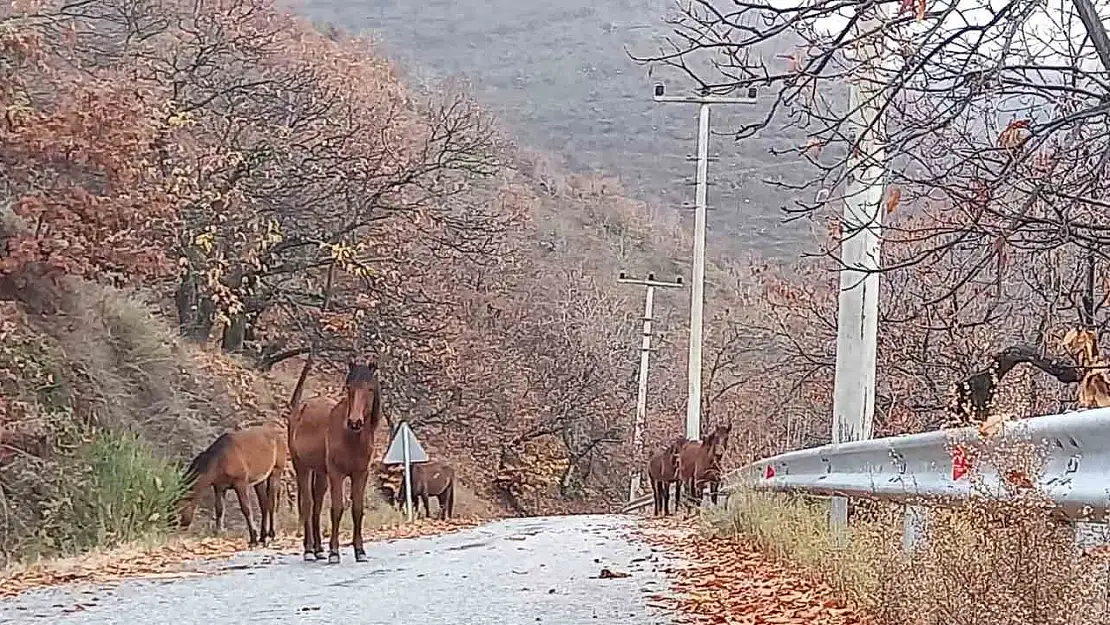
(252, 457)
(662, 471)
(699, 463)
(431, 479)
(330, 442)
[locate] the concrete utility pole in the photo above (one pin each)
(858, 307)
(697, 295)
(641, 396)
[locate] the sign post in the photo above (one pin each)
(405, 450)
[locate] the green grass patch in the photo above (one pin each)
(116, 490)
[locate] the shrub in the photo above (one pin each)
(115, 491)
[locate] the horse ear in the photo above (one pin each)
(351, 365)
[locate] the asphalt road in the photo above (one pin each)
(513, 572)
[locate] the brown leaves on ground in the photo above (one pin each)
(180, 557)
(728, 582)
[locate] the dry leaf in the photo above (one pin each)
(1015, 134)
(893, 198)
(920, 12)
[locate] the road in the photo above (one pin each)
(512, 572)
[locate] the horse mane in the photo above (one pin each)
(376, 408)
(204, 460)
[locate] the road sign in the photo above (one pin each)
(396, 452)
(405, 450)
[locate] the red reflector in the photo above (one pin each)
(769, 472)
(961, 463)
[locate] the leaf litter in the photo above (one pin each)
(726, 581)
(180, 557)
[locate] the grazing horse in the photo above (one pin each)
(435, 479)
(238, 460)
(699, 463)
(662, 471)
(330, 442)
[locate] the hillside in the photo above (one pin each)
(177, 236)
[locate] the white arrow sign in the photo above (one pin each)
(404, 437)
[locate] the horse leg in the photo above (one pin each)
(450, 509)
(714, 490)
(319, 489)
(665, 496)
(427, 509)
(218, 506)
(335, 484)
(678, 495)
(655, 499)
(304, 510)
(262, 491)
(358, 500)
(273, 490)
(240, 487)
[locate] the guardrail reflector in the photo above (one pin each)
(961, 462)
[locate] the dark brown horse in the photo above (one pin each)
(662, 472)
(251, 457)
(431, 479)
(330, 442)
(699, 463)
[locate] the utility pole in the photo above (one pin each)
(697, 295)
(641, 396)
(858, 306)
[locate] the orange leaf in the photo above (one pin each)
(920, 6)
(893, 197)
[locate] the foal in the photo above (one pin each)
(238, 460)
(436, 479)
(662, 471)
(333, 441)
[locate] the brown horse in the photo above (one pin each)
(435, 479)
(238, 460)
(662, 472)
(699, 463)
(333, 441)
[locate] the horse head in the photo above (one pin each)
(362, 392)
(718, 439)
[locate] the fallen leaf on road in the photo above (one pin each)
(607, 574)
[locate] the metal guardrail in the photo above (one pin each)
(936, 467)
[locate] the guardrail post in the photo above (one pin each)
(913, 526)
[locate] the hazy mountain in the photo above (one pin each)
(559, 77)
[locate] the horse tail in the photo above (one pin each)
(298, 390)
(203, 462)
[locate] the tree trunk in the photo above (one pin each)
(973, 394)
(235, 334)
(195, 311)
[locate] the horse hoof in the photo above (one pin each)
(310, 557)
(360, 556)
(333, 558)
(319, 555)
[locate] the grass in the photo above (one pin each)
(981, 562)
(116, 490)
